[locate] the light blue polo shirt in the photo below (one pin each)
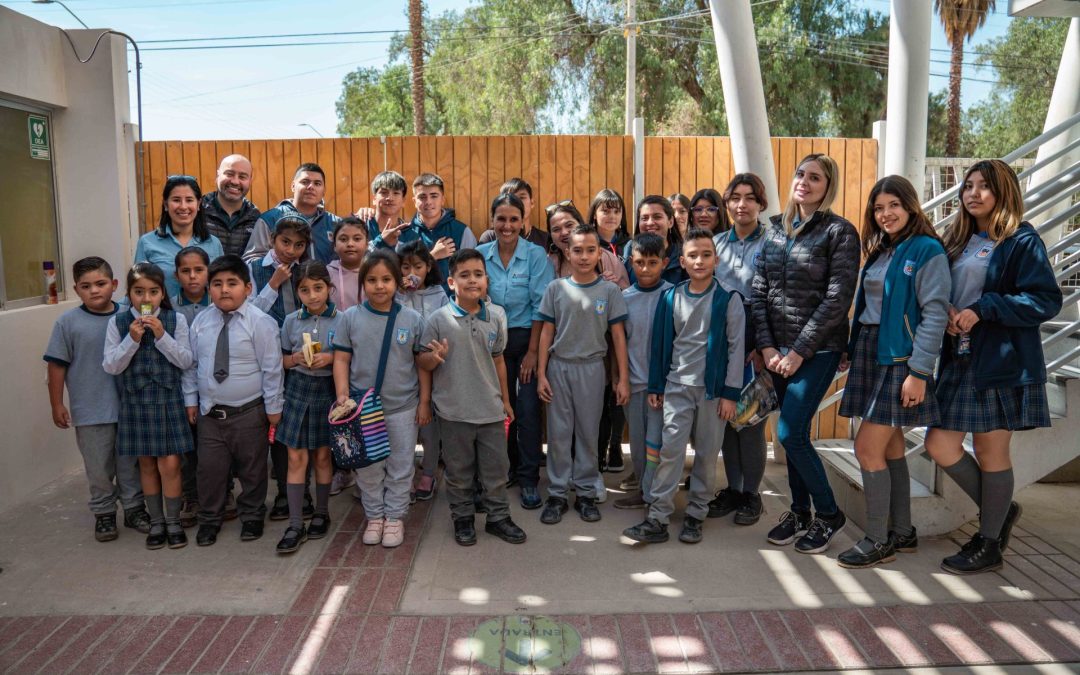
(519, 287)
(737, 259)
(162, 251)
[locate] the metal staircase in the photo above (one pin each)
(1051, 203)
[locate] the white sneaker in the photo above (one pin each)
(341, 480)
(393, 534)
(373, 533)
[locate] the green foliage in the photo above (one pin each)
(1026, 60)
(533, 66)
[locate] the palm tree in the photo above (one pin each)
(416, 53)
(960, 19)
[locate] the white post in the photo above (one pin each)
(631, 65)
(879, 135)
(1064, 103)
(744, 96)
(639, 159)
(909, 87)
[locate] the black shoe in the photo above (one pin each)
(137, 519)
(908, 543)
(691, 530)
(207, 535)
(506, 530)
(530, 498)
(157, 538)
(176, 539)
(292, 539)
(821, 532)
(615, 462)
(792, 524)
(726, 501)
(750, 509)
(553, 511)
(651, 531)
(308, 510)
(105, 527)
(251, 530)
(867, 553)
(1010, 519)
(280, 509)
(983, 555)
(465, 531)
(319, 526)
(189, 513)
(586, 508)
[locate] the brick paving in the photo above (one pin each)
(346, 620)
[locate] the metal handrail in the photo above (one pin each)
(1049, 158)
(1061, 334)
(1059, 219)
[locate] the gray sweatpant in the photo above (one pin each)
(646, 434)
(471, 450)
(384, 487)
(109, 477)
(577, 402)
(687, 414)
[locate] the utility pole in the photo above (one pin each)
(631, 31)
(416, 53)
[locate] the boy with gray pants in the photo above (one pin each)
(697, 358)
(464, 347)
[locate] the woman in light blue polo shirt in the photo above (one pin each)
(518, 273)
(182, 224)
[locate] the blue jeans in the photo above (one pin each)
(799, 397)
(523, 443)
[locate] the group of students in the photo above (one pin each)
(464, 339)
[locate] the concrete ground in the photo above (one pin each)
(574, 598)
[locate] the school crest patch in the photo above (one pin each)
(909, 267)
(984, 251)
(600, 306)
(402, 335)
(491, 337)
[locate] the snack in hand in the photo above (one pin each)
(745, 415)
(342, 410)
(311, 348)
(146, 309)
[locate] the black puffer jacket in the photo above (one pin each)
(804, 286)
(233, 236)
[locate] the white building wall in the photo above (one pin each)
(94, 183)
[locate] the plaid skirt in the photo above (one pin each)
(966, 409)
(303, 419)
(153, 429)
(872, 391)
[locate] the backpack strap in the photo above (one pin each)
(384, 353)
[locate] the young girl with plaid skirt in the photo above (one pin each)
(901, 309)
(992, 380)
(147, 347)
(309, 395)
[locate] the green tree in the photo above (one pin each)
(1026, 60)
(960, 19)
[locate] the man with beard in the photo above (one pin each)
(229, 215)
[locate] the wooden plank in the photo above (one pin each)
(174, 159)
(628, 165)
(821, 145)
(309, 151)
(837, 150)
(530, 172)
(654, 165)
(703, 160)
(598, 168)
(582, 194)
(258, 159)
(241, 148)
(868, 169)
(852, 181)
(189, 152)
(444, 162)
(803, 147)
(496, 175)
(410, 168)
(275, 174)
(611, 163)
(461, 187)
(324, 157)
(342, 178)
(394, 150)
(564, 175)
(722, 162)
(688, 177)
(428, 157)
(157, 166)
(511, 159)
(786, 161)
(671, 167)
(471, 210)
(546, 188)
(208, 163)
(224, 148)
(375, 164)
(358, 161)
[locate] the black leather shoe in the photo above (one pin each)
(465, 531)
(905, 543)
(292, 539)
(726, 501)
(251, 530)
(156, 539)
(586, 508)
(280, 509)
(553, 511)
(506, 530)
(207, 535)
(749, 511)
(105, 527)
(176, 539)
(137, 519)
(651, 531)
(867, 553)
(981, 555)
(1010, 519)
(691, 530)
(319, 526)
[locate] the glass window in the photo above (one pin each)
(28, 233)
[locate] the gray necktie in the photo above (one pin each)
(288, 296)
(221, 352)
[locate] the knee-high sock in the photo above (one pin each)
(876, 489)
(967, 474)
(997, 494)
(900, 500)
(155, 508)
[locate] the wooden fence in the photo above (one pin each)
(473, 168)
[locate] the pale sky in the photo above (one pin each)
(269, 92)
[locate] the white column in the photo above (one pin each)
(909, 87)
(639, 158)
(1064, 103)
(744, 96)
(631, 32)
